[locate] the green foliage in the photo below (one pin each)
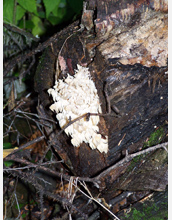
(8, 7)
(38, 15)
(7, 145)
(49, 155)
(20, 12)
(8, 163)
(51, 7)
(28, 5)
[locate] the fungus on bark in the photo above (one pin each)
(73, 97)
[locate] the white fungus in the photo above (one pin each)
(73, 97)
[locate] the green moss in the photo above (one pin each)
(155, 138)
(151, 212)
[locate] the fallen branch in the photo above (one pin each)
(96, 180)
(36, 140)
(87, 116)
(23, 57)
(128, 158)
(93, 199)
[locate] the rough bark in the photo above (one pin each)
(125, 49)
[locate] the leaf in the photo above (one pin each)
(6, 152)
(7, 145)
(8, 163)
(28, 24)
(50, 6)
(29, 5)
(57, 16)
(8, 7)
(54, 20)
(38, 28)
(19, 13)
(41, 14)
(49, 155)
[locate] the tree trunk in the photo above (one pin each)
(124, 45)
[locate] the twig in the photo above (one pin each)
(45, 169)
(87, 116)
(17, 205)
(129, 157)
(107, 98)
(31, 165)
(92, 198)
(41, 200)
(23, 74)
(26, 145)
(33, 114)
(21, 58)
(15, 29)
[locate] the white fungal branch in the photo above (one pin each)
(73, 97)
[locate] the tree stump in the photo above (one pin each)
(124, 45)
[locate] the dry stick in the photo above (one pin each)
(26, 145)
(21, 58)
(45, 169)
(86, 115)
(96, 179)
(57, 62)
(107, 99)
(66, 202)
(30, 165)
(15, 29)
(129, 157)
(23, 74)
(35, 115)
(92, 198)
(38, 187)
(104, 173)
(17, 205)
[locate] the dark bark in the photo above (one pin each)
(126, 52)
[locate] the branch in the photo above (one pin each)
(87, 116)
(24, 146)
(92, 198)
(128, 158)
(45, 169)
(23, 57)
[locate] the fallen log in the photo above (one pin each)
(125, 51)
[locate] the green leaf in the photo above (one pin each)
(7, 145)
(49, 155)
(50, 6)
(20, 205)
(57, 16)
(38, 28)
(29, 5)
(54, 19)
(23, 215)
(59, 12)
(16, 74)
(41, 14)
(8, 163)
(55, 11)
(19, 13)
(8, 6)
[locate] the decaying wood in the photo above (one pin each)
(126, 53)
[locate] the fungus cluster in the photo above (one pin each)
(73, 97)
